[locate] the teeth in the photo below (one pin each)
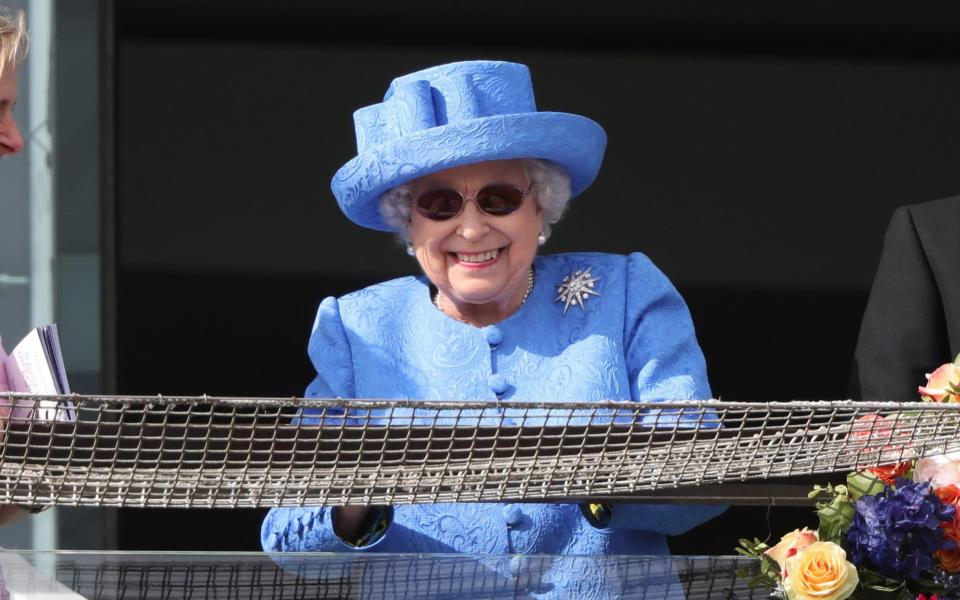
(478, 258)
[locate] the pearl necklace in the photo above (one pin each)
(436, 299)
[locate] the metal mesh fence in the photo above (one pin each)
(373, 576)
(260, 452)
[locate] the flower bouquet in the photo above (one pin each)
(891, 531)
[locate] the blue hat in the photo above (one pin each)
(456, 114)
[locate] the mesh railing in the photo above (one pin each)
(213, 576)
(260, 452)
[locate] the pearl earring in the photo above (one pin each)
(541, 239)
(410, 250)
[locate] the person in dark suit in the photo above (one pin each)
(912, 321)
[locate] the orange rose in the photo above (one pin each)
(948, 494)
(889, 473)
(950, 559)
(790, 544)
(941, 385)
(821, 571)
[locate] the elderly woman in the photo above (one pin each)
(458, 161)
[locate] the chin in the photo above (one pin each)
(475, 296)
(474, 299)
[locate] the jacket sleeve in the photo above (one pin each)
(903, 333)
(302, 529)
(664, 363)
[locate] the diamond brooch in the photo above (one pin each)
(576, 288)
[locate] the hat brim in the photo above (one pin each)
(575, 143)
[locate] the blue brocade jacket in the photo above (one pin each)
(635, 341)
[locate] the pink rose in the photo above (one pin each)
(941, 471)
(872, 426)
(790, 544)
(876, 434)
(942, 385)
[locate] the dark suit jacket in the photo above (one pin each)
(912, 321)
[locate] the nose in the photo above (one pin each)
(11, 141)
(473, 223)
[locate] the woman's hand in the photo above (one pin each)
(347, 521)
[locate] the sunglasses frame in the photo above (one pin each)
(464, 199)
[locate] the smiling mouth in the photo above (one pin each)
(478, 258)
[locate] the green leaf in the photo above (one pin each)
(862, 483)
(754, 580)
(873, 581)
(827, 491)
(835, 516)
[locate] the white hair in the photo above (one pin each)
(549, 180)
(13, 39)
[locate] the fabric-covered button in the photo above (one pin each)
(498, 384)
(493, 334)
(512, 514)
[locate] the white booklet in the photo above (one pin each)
(35, 366)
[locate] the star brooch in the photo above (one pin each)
(576, 288)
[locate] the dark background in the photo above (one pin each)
(756, 151)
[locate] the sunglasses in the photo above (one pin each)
(496, 200)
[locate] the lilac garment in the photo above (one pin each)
(635, 341)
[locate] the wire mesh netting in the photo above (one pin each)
(240, 576)
(260, 452)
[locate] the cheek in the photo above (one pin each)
(524, 235)
(430, 258)
(433, 261)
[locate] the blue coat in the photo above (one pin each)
(635, 341)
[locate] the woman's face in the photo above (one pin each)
(475, 258)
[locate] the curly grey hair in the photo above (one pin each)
(13, 38)
(550, 181)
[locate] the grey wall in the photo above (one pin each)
(78, 101)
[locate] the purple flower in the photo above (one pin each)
(896, 532)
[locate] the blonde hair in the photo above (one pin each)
(14, 40)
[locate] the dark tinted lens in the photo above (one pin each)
(439, 204)
(499, 199)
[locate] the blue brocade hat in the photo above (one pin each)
(456, 114)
